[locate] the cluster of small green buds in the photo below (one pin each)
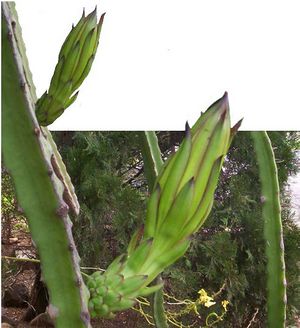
(74, 63)
(180, 203)
(111, 291)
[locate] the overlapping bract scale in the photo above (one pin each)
(180, 203)
(74, 63)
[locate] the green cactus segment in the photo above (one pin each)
(151, 156)
(276, 283)
(27, 155)
(152, 166)
(180, 202)
(74, 63)
(158, 310)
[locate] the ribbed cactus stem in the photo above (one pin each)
(151, 156)
(42, 186)
(271, 211)
(152, 167)
(157, 305)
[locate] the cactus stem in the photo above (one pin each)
(271, 212)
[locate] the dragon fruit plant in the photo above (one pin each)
(182, 188)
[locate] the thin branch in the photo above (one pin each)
(220, 290)
(8, 258)
(253, 318)
(136, 175)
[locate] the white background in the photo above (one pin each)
(161, 62)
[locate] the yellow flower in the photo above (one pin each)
(195, 308)
(209, 303)
(205, 299)
(224, 304)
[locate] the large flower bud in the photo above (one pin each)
(184, 191)
(74, 63)
(180, 203)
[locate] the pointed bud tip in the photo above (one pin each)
(235, 128)
(224, 99)
(187, 130)
(101, 19)
(224, 106)
(221, 104)
(94, 14)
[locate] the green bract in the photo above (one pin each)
(181, 201)
(74, 63)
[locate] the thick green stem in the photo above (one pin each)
(42, 187)
(152, 166)
(276, 283)
(151, 156)
(158, 310)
